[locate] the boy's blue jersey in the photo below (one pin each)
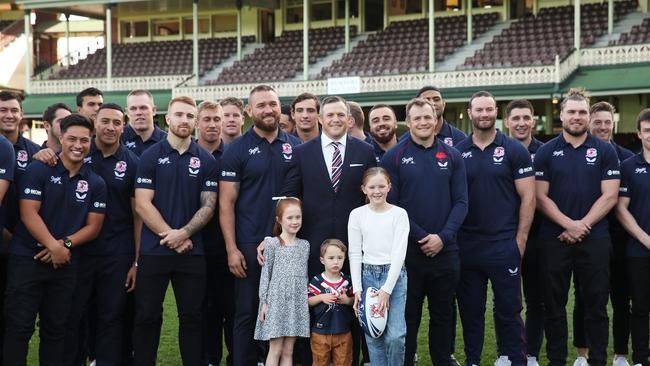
(335, 318)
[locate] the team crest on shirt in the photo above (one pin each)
(82, 190)
(120, 169)
(499, 153)
(130, 144)
(442, 162)
(21, 159)
(287, 150)
(193, 168)
(591, 156)
(448, 141)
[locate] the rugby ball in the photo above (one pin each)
(372, 321)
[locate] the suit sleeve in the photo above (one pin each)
(292, 186)
(459, 201)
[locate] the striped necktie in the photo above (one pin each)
(337, 164)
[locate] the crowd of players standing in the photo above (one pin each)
(105, 209)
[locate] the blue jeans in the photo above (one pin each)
(388, 349)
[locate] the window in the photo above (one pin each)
(354, 8)
(402, 7)
(320, 10)
(225, 23)
(486, 3)
(204, 25)
(168, 27)
(135, 29)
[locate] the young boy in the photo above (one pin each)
(330, 299)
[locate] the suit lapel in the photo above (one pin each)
(322, 166)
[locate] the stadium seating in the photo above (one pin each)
(154, 58)
(283, 59)
(403, 46)
(638, 34)
(536, 40)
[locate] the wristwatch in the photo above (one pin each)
(67, 242)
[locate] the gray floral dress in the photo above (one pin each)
(283, 287)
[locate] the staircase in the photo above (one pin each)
(214, 73)
(622, 26)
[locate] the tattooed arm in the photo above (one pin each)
(174, 238)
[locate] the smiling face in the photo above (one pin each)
(210, 121)
(291, 219)
(75, 144)
(483, 113)
(10, 116)
(601, 125)
(264, 109)
(233, 120)
(305, 114)
(421, 121)
(181, 119)
(520, 123)
(383, 124)
(376, 188)
(644, 135)
(335, 117)
(575, 117)
(109, 126)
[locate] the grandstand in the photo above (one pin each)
(514, 48)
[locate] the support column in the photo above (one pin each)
(386, 5)
(576, 24)
(305, 39)
(610, 16)
(28, 52)
(432, 38)
(195, 41)
(469, 22)
(347, 25)
(67, 40)
(239, 31)
(109, 49)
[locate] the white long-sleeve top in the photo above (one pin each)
(377, 238)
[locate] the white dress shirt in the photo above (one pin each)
(328, 150)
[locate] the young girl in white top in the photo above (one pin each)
(284, 312)
(377, 235)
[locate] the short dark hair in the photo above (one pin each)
(6, 95)
(76, 119)
(303, 97)
(335, 99)
(232, 101)
(261, 88)
(111, 106)
(602, 107)
(426, 89)
(644, 116)
(50, 112)
(286, 110)
(88, 92)
(519, 103)
(382, 105)
(357, 114)
(479, 94)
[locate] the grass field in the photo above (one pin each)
(169, 355)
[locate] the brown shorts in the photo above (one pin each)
(336, 348)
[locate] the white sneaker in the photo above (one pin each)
(580, 361)
(620, 361)
(94, 362)
(532, 361)
(502, 361)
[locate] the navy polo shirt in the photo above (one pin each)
(118, 172)
(450, 135)
(534, 145)
(493, 199)
(7, 164)
(430, 184)
(635, 184)
(259, 168)
(379, 152)
(212, 237)
(368, 139)
(574, 176)
(616, 230)
(65, 202)
(178, 181)
(133, 141)
(24, 150)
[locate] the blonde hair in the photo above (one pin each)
(332, 243)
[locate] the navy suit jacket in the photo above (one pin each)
(325, 213)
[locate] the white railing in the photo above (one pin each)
(130, 83)
(615, 55)
(556, 73)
